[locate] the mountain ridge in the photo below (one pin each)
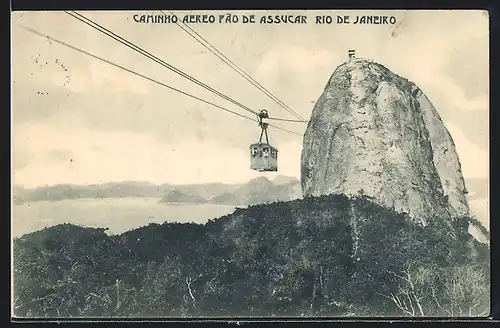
(208, 192)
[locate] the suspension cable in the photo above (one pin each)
(147, 78)
(285, 120)
(236, 68)
(145, 53)
(135, 73)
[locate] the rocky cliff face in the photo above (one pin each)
(375, 133)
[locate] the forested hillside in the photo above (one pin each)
(329, 256)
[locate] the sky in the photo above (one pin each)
(78, 120)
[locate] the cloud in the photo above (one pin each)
(474, 160)
(296, 75)
(433, 78)
(77, 155)
(289, 158)
(468, 65)
(48, 64)
(481, 210)
(48, 71)
(446, 62)
(433, 60)
(295, 59)
(452, 95)
(95, 76)
(48, 154)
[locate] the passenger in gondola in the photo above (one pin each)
(254, 152)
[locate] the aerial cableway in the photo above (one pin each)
(263, 155)
(196, 36)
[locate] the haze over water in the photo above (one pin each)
(117, 214)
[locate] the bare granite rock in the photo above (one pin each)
(376, 134)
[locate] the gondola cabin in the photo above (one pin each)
(263, 157)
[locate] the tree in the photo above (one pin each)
(412, 290)
(466, 291)
(461, 290)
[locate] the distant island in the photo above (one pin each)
(176, 196)
(256, 191)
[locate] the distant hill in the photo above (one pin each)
(284, 180)
(105, 190)
(253, 192)
(206, 190)
(18, 194)
(258, 191)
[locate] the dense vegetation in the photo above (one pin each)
(329, 256)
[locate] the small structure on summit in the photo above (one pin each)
(351, 53)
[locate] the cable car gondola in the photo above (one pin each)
(263, 156)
